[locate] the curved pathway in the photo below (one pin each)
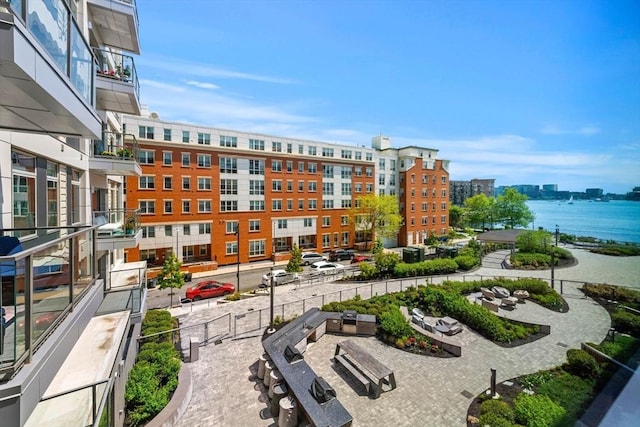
(431, 391)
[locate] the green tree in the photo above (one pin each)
(512, 210)
(295, 263)
(171, 276)
(376, 216)
(377, 247)
(534, 241)
(477, 210)
(455, 216)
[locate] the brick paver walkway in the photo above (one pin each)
(431, 391)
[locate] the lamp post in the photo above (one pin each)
(557, 233)
(237, 233)
(271, 328)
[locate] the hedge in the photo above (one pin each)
(537, 411)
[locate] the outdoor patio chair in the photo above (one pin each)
(521, 295)
(487, 294)
(509, 302)
(501, 292)
(417, 312)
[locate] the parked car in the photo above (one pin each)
(280, 277)
(209, 289)
(309, 258)
(341, 254)
(357, 259)
(324, 267)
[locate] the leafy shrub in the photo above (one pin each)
(527, 259)
(367, 270)
(493, 420)
(537, 411)
(536, 380)
(143, 395)
(621, 349)
(466, 262)
(386, 262)
(233, 297)
(582, 364)
(425, 268)
(626, 322)
(629, 296)
(394, 323)
(498, 408)
(569, 391)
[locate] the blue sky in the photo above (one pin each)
(526, 92)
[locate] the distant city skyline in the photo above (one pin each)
(522, 92)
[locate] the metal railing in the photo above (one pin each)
(211, 330)
(117, 66)
(117, 223)
(99, 391)
(113, 145)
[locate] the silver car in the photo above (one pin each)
(309, 258)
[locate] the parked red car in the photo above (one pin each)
(357, 259)
(209, 289)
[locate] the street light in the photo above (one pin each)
(557, 233)
(553, 259)
(237, 233)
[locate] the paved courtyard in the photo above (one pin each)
(431, 391)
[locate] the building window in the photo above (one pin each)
(186, 159)
(166, 158)
(381, 179)
(313, 186)
(24, 192)
(289, 185)
(312, 150)
(345, 203)
(204, 228)
(443, 179)
(276, 205)
(254, 225)
(146, 157)
(358, 155)
(443, 193)
(168, 230)
(345, 154)
(326, 221)
(228, 141)
(148, 232)
(443, 219)
(256, 144)
(204, 183)
(276, 165)
(345, 173)
(203, 250)
(231, 227)
(256, 167)
(186, 183)
(308, 222)
(425, 220)
(369, 157)
(358, 187)
(256, 205)
(168, 206)
(52, 194)
(313, 168)
(381, 164)
(256, 247)
(327, 188)
(228, 186)
(276, 185)
(327, 152)
(289, 166)
(313, 204)
(369, 188)
(443, 206)
(146, 182)
(228, 205)
(368, 172)
(276, 146)
(336, 239)
(289, 204)
(204, 161)
(282, 224)
(167, 134)
(185, 136)
(300, 204)
(326, 240)
(228, 165)
(300, 167)
(327, 204)
(357, 171)
(300, 186)
(345, 237)
(204, 206)
(345, 188)
(167, 182)
(256, 187)
(327, 171)
(204, 138)
(145, 132)
(232, 248)
(186, 206)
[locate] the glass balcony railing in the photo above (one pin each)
(117, 223)
(117, 66)
(40, 285)
(113, 145)
(53, 24)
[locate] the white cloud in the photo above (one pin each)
(175, 66)
(585, 130)
(202, 85)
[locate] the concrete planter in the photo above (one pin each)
(178, 403)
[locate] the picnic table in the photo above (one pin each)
(369, 364)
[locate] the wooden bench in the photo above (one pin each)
(369, 364)
(354, 371)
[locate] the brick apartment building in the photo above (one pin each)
(199, 185)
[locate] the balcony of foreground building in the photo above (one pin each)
(47, 71)
(112, 156)
(117, 85)
(117, 229)
(116, 23)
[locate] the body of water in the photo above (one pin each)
(615, 220)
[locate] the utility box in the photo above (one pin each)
(411, 255)
(194, 349)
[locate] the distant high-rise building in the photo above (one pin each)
(459, 191)
(550, 187)
(594, 193)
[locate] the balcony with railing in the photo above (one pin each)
(117, 84)
(113, 156)
(116, 23)
(46, 69)
(40, 287)
(117, 229)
